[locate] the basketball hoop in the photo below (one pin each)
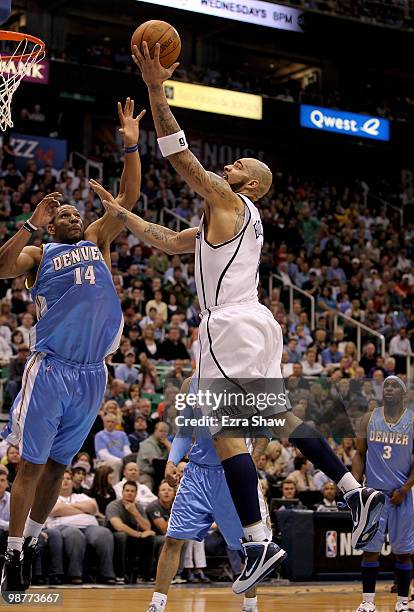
(21, 51)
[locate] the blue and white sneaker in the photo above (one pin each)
(262, 558)
(366, 506)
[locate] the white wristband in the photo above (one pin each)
(173, 143)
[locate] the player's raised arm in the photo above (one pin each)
(105, 230)
(161, 237)
(173, 143)
(16, 257)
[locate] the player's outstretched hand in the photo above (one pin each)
(152, 70)
(172, 475)
(129, 125)
(110, 204)
(45, 210)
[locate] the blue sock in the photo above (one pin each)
(317, 450)
(369, 570)
(404, 572)
(241, 476)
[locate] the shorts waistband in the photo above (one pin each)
(229, 305)
(72, 364)
(204, 466)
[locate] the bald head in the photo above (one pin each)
(260, 172)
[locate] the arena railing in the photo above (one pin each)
(77, 160)
(168, 216)
(292, 289)
(360, 328)
(386, 205)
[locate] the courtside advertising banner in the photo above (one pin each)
(343, 122)
(213, 100)
(250, 11)
(35, 73)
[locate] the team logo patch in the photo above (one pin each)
(258, 228)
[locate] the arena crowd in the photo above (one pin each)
(325, 240)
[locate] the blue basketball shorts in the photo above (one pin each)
(203, 498)
(55, 409)
(398, 522)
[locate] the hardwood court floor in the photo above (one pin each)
(293, 598)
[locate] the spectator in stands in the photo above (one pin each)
(139, 434)
(79, 471)
(157, 446)
(346, 451)
(112, 446)
(329, 498)
(132, 534)
(127, 370)
(148, 376)
(331, 355)
(368, 358)
(4, 510)
(116, 391)
(102, 490)
(294, 354)
(148, 343)
(290, 493)
(72, 522)
(400, 349)
(310, 365)
(26, 327)
(173, 348)
(131, 473)
(276, 463)
(301, 475)
(6, 352)
(12, 462)
(16, 369)
(159, 305)
(158, 512)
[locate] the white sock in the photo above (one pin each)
(250, 604)
(32, 529)
(160, 600)
(402, 599)
(348, 483)
(255, 533)
(15, 543)
(368, 597)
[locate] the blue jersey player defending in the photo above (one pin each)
(79, 322)
(203, 498)
(385, 455)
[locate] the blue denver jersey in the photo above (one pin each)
(79, 315)
(390, 451)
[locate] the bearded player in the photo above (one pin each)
(79, 322)
(239, 338)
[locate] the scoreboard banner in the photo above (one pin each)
(256, 12)
(343, 122)
(213, 100)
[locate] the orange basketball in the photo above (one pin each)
(161, 32)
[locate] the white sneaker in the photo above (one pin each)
(402, 606)
(154, 608)
(411, 604)
(366, 606)
(255, 609)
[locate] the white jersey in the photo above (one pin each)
(228, 273)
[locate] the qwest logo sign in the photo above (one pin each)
(341, 122)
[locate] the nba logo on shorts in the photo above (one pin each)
(331, 544)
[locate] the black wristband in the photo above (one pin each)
(29, 227)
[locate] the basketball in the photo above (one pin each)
(161, 32)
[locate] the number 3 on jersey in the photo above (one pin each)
(387, 452)
(89, 276)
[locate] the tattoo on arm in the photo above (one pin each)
(239, 219)
(122, 216)
(164, 234)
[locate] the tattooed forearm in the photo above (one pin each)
(122, 216)
(166, 120)
(160, 233)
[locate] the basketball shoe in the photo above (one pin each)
(11, 578)
(366, 506)
(402, 606)
(29, 551)
(411, 603)
(366, 606)
(261, 559)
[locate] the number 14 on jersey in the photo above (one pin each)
(88, 277)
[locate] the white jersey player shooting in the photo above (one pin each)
(239, 338)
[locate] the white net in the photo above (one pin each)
(13, 67)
